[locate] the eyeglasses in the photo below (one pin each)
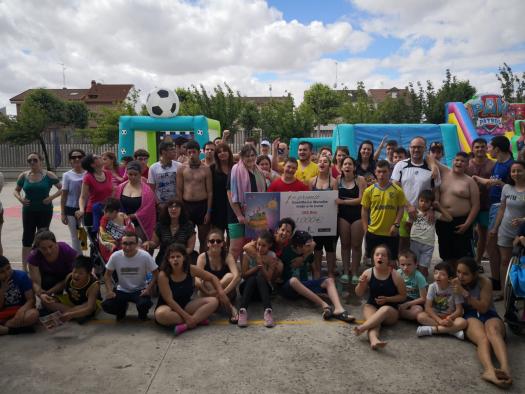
(77, 157)
(215, 241)
(31, 161)
(417, 147)
(128, 243)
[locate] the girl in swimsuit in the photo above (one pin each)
(176, 285)
(386, 290)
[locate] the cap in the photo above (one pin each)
(265, 142)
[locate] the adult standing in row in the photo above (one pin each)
(366, 165)
(111, 164)
(97, 185)
(195, 188)
(350, 229)
(414, 175)
(162, 175)
(459, 195)
(138, 201)
(244, 177)
(499, 149)
(307, 169)
(37, 210)
(481, 166)
(220, 170)
(71, 187)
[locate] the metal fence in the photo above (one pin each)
(14, 156)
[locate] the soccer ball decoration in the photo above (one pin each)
(162, 103)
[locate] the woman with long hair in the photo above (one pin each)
(138, 201)
(37, 203)
(366, 164)
(220, 171)
(350, 229)
(111, 164)
(173, 227)
(244, 177)
(340, 153)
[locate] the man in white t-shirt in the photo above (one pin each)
(414, 175)
(131, 265)
(163, 174)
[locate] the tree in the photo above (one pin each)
(358, 107)
(40, 112)
(393, 110)
(512, 86)
(323, 102)
(249, 117)
(280, 119)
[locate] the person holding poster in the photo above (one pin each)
(287, 182)
(323, 182)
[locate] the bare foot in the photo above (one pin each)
(378, 345)
(490, 376)
(503, 375)
(358, 330)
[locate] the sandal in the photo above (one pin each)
(234, 319)
(344, 316)
(328, 312)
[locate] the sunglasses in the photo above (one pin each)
(30, 161)
(215, 241)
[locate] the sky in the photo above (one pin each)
(258, 47)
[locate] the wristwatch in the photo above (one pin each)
(396, 225)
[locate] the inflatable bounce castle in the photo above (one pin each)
(147, 132)
(483, 116)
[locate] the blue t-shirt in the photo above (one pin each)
(18, 284)
(413, 283)
(500, 171)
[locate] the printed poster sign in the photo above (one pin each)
(315, 211)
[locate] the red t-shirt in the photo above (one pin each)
(279, 186)
(98, 191)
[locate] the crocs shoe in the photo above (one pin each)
(344, 279)
(179, 329)
(355, 280)
(243, 318)
(268, 319)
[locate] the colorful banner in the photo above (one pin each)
(315, 212)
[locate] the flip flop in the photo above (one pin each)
(344, 316)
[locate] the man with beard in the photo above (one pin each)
(459, 195)
(307, 169)
(194, 186)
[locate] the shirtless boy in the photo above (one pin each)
(459, 195)
(194, 185)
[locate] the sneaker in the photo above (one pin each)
(344, 279)
(355, 280)
(243, 318)
(205, 322)
(180, 328)
(424, 331)
(459, 335)
(268, 319)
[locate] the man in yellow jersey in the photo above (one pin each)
(307, 169)
(382, 208)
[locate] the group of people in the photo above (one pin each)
(392, 206)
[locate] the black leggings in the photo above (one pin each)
(255, 285)
(31, 222)
(119, 304)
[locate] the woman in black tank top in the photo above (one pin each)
(324, 182)
(350, 228)
(176, 286)
(387, 289)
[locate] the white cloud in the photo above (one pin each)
(179, 43)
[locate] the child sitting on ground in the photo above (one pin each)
(415, 283)
(258, 273)
(113, 226)
(443, 308)
(17, 300)
(423, 229)
(81, 293)
(297, 258)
